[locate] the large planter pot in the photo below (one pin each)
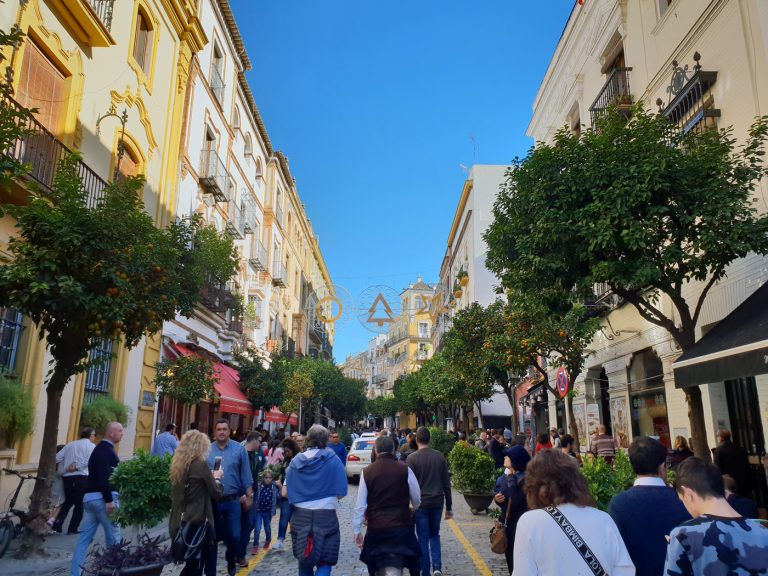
(149, 570)
(478, 502)
(464, 280)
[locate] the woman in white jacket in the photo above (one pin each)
(562, 533)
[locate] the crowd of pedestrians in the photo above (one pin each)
(705, 524)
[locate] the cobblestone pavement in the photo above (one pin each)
(464, 539)
(464, 545)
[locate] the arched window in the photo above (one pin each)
(236, 118)
(248, 145)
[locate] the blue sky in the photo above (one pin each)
(377, 104)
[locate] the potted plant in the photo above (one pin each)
(144, 485)
(462, 277)
(473, 473)
(17, 418)
(457, 291)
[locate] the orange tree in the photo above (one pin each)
(638, 206)
(86, 274)
(465, 359)
(533, 327)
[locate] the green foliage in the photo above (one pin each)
(188, 379)
(260, 385)
(606, 480)
(473, 471)
(465, 359)
(298, 387)
(17, 416)
(382, 406)
(83, 273)
(144, 484)
(103, 410)
(441, 440)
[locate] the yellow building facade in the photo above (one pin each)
(100, 73)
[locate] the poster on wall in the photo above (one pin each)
(593, 420)
(620, 422)
(580, 415)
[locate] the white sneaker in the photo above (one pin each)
(278, 545)
(437, 572)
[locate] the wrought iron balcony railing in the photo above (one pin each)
(103, 9)
(214, 177)
(216, 296)
(258, 259)
(42, 152)
(278, 274)
(235, 221)
(615, 91)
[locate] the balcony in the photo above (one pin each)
(216, 296)
(318, 332)
(278, 274)
(258, 259)
(42, 152)
(236, 325)
(90, 21)
(615, 92)
(217, 84)
(214, 177)
(692, 104)
(249, 214)
(256, 283)
(235, 221)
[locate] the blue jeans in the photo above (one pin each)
(286, 511)
(266, 519)
(428, 532)
(226, 517)
(247, 521)
(94, 515)
(323, 570)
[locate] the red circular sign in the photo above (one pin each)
(562, 384)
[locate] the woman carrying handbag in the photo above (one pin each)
(510, 496)
(193, 487)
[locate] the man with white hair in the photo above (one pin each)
(314, 482)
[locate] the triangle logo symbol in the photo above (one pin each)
(380, 320)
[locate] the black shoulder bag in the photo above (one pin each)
(578, 542)
(191, 538)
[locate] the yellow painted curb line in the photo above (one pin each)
(482, 567)
(255, 561)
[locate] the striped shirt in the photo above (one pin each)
(77, 453)
(603, 445)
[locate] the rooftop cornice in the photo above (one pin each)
(234, 32)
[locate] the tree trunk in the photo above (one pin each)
(698, 424)
(36, 525)
(572, 430)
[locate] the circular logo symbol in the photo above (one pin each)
(329, 305)
(561, 383)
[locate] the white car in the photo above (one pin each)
(358, 457)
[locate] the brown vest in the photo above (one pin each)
(388, 493)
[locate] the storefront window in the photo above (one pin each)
(647, 397)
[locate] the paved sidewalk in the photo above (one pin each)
(465, 550)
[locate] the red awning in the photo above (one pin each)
(233, 400)
(275, 415)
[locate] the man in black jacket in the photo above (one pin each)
(431, 471)
(100, 499)
(733, 460)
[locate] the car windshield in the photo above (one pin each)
(363, 445)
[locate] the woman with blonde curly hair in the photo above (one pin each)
(193, 487)
(562, 533)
